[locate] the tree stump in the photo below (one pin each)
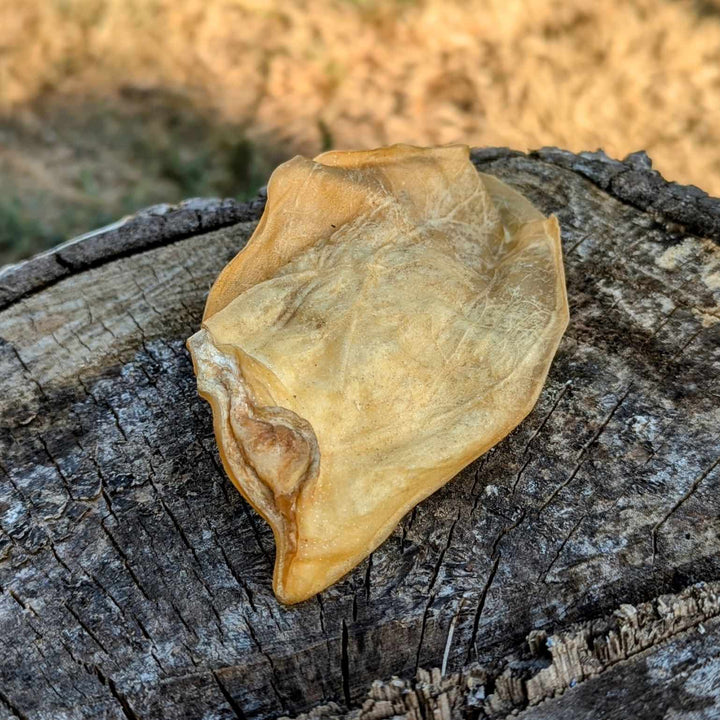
(570, 572)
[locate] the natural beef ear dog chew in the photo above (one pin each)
(392, 317)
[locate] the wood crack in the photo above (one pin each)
(27, 371)
(125, 561)
(480, 607)
(542, 577)
(273, 681)
(441, 556)
(584, 449)
(686, 496)
(239, 714)
(88, 630)
(426, 612)
(559, 397)
(125, 706)
(345, 665)
(14, 709)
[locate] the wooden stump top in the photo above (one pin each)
(136, 583)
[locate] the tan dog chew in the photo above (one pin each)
(393, 316)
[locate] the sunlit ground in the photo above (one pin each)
(110, 105)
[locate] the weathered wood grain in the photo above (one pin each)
(136, 583)
(659, 659)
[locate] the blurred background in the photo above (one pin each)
(107, 106)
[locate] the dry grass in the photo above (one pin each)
(294, 76)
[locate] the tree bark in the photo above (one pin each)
(570, 572)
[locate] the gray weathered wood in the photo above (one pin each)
(656, 660)
(136, 583)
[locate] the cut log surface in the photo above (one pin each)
(571, 572)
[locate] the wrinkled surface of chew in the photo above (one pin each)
(393, 316)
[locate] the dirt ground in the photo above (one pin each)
(110, 105)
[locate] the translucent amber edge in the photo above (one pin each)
(221, 382)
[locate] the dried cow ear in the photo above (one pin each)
(393, 316)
